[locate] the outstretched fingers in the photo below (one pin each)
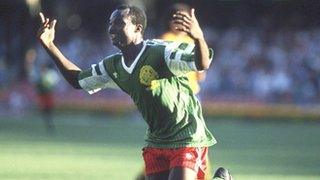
(42, 17)
(45, 21)
(192, 12)
(183, 16)
(52, 24)
(188, 23)
(183, 28)
(184, 13)
(181, 22)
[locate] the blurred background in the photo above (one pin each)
(261, 96)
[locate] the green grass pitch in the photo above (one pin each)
(89, 146)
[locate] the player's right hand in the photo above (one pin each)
(46, 31)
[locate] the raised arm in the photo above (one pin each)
(191, 26)
(46, 35)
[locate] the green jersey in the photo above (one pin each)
(157, 84)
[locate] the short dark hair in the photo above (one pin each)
(138, 16)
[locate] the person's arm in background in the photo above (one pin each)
(191, 26)
(46, 35)
(201, 76)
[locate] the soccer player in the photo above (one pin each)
(45, 80)
(152, 73)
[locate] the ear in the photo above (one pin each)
(139, 28)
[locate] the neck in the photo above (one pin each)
(131, 51)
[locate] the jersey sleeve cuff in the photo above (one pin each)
(84, 83)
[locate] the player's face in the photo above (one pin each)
(121, 30)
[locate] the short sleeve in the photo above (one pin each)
(180, 57)
(96, 78)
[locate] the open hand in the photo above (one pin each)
(46, 31)
(189, 24)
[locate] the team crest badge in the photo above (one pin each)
(148, 76)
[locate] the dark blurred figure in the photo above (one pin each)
(44, 79)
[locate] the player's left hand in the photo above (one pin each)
(189, 24)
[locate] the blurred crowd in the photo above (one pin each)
(249, 64)
(276, 66)
(256, 62)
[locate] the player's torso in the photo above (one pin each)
(150, 83)
(166, 102)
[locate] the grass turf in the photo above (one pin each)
(90, 146)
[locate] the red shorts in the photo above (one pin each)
(164, 159)
(46, 101)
